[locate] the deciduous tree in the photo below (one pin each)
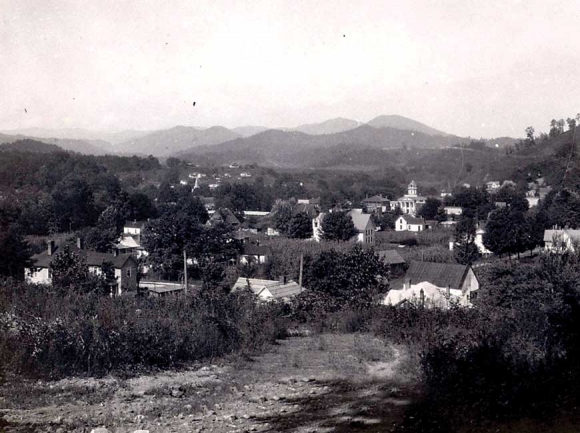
(338, 226)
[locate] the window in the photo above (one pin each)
(128, 272)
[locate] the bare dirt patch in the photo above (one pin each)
(320, 383)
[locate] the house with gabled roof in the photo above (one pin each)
(560, 240)
(224, 215)
(394, 260)
(436, 284)
(125, 265)
(268, 290)
(408, 223)
(134, 229)
(376, 203)
(365, 227)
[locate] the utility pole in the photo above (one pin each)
(300, 274)
(185, 270)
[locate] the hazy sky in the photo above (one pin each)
(468, 67)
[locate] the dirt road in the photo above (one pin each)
(321, 383)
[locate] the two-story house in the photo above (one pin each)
(125, 265)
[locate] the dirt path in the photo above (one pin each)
(323, 383)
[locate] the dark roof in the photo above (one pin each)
(439, 274)
(391, 257)
(225, 215)
(257, 250)
(376, 199)
(135, 224)
(93, 258)
(308, 208)
(412, 220)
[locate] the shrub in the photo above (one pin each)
(43, 334)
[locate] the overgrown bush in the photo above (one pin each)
(43, 334)
(512, 356)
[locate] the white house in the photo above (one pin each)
(435, 285)
(134, 229)
(453, 210)
(407, 223)
(268, 290)
(411, 202)
(365, 227)
(559, 240)
(492, 186)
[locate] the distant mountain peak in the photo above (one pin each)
(396, 121)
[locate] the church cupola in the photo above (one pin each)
(412, 188)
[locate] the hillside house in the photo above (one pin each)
(559, 240)
(255, 254)
(492, 186)
(453, 211)
(396, 263)
(224, 216)
(376, 204)
(408, 223)
(134, 229)
(125, 265)
(128, 245)
(435, 285)
(362, 222)
(411, 202)
(268, 290)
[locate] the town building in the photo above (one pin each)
(408, 223)
(438, 285)
(560, 240)
(254, 253)
(397, 264)
(268, 290)
(376, 204)
(125, 265)
(411, 202)
(453, 211)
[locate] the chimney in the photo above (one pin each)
(407, 284)
(448, 291)
(115, 252)
(50, 247)
(79, 243)
(422, 297)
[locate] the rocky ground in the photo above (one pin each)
(320, 383)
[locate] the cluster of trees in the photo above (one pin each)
(181, 233)
(340, 280)
(291, 222)
(59, 192)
